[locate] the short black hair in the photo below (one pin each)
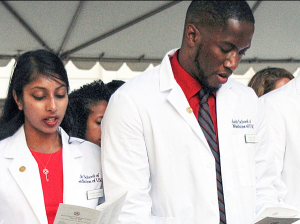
(217, 13)
(114, 85)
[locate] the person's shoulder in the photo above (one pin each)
(148, 79)
(139, 86)
(142, 80)
(90, 151)
(4, 143)
(83, 145)
(13, 139)
(80, 144)
(240, 88)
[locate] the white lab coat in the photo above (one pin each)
(282, 107)
(154, 148)
(21, 194)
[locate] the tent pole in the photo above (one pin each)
(118, 29)
(66, 38)
(25, 25)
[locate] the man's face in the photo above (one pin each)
(220, 51)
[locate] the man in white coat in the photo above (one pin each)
(154, 147)
(282, 108)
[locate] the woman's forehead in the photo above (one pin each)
(52, 80)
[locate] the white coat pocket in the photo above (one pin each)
(244, 158)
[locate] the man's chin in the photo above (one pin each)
(205, 81)
(210, 89)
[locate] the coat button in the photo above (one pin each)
(214, 201)
(189, 110)
(22, 168)
(210, 165)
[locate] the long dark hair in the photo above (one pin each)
(27, 67)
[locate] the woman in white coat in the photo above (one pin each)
(40, 165)
(282, 108)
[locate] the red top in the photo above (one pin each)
(191, 88)
(53, 188)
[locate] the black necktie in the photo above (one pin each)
(207, 127)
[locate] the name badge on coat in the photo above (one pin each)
(251, 138)
(92, 194)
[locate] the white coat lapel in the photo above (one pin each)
(72, 169)
(176, 96)
(28, 180)
(225, 102)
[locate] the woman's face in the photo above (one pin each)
(93, 127)
(44, 104)
(281, 82)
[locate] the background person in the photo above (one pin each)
(269, 79)
(40, 165)
(282, 108)
(85, 111)
(114, 85)
(181, 162)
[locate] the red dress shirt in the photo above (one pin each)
(52, 189)
(191, 88)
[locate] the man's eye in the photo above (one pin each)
(225, 50)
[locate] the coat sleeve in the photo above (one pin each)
(277, 141)
(269, 186)
(124, 159)
(277, 133)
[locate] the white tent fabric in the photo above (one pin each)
(118, 39)
(79, 77)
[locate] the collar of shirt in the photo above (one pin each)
(188, 84)
(190, 87)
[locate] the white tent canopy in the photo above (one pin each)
(119, 39)
(79, 77)
(136, 32)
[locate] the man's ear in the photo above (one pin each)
(192, 35)
(18, 102)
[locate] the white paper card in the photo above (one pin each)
(271, 220)
(106, 213)
(281, 215)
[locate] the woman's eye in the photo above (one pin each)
(61, 96)
(39, 97)
(99, 123)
